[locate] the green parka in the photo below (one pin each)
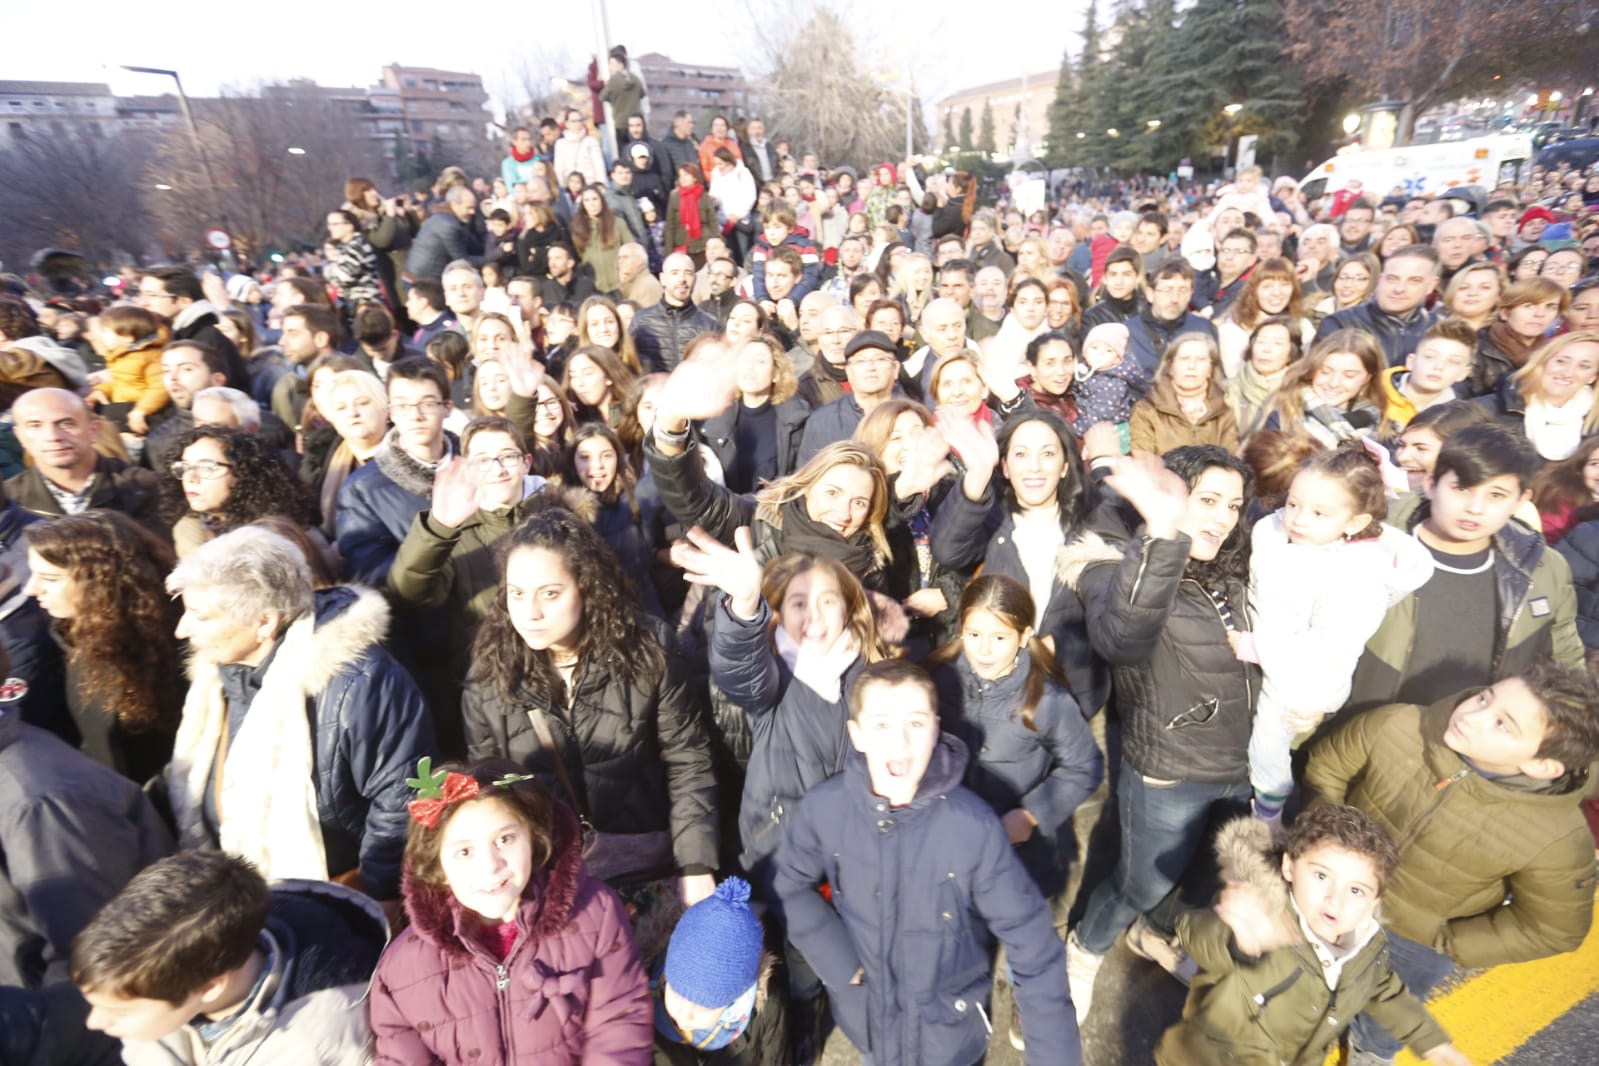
(1489, 872)
(1276, 1009)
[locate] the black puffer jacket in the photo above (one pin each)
(660, 333)
(1186, 702)
(639, 752)
(1581, 549)
(1397, 336)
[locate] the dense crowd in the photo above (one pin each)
(688, 592)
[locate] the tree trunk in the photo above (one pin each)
(1405, 125)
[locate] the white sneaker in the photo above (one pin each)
(1082, 967)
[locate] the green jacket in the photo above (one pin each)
(1488, 873)
(625, 94)
(1537, 613)
(455, 568)
(1276, 1010)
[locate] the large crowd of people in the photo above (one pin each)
(692, 592)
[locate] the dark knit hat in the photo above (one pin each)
(868, 338)
(715, 953)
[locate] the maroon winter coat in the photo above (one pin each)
(572, 989)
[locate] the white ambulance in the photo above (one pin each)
(1424, 169)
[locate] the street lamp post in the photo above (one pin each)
(194, 133)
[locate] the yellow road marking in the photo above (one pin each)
(1494, 1013)
(1478, 1014)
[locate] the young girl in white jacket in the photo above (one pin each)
(1323, 571)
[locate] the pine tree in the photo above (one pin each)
(1063, 116)
(985, 131)
(921, 140)
(1096, 92)
(966, 138)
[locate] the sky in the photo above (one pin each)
(348, 44)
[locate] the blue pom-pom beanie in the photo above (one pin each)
(715, 953)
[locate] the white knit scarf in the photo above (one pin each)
(268, 807)
(1556, 431)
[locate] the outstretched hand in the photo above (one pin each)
(523, 372)
(926, 464)
(1159, 496)
(975, 444)
(707, 561)
(455, 488)
(700, 388)
(1258, 925)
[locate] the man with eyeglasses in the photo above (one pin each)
(1235, 262)
(872, 370)
(65, 475)
(476, 499)
(802, 352)
(824, 381)
(721, 287)
(378, 501)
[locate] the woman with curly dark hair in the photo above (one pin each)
(100, 576)
(227, 478)
(573, 681)
(598, 462)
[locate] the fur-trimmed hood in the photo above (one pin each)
(405, 470)
(1246, 854)
(1081, 552)
(349, 620)
(546, 901)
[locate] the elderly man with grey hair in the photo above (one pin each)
(824, 381)
(1318, 257)
(636, 283)
(445, 237)
(299, 729)
(1456, 240)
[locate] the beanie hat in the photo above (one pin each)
(1535, 211)
(868, 338)
(1112, 333)
(619, 53)
(715, 953)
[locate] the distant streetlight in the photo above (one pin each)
(163, 186)
(1113, 132)
(194, 132)
(1351, 123)
(1532, 101)
(1233, 109)
(1081, 135)
(1152, 124)
(296, 150)
(1554, 97)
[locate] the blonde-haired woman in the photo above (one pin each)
(1550, 400)
(1187, 404)
(913, 285)
(1334, 393)
(757, 439)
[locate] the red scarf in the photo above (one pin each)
(521, 157)
(689, 209)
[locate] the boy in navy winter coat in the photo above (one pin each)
(921, 874)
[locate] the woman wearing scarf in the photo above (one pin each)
(1186, 405)
(1526, 311)
(1551, 399)
(1334, 393)
(690, 215)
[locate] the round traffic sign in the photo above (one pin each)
(218, 239)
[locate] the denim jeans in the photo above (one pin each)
(1162, 827)
(1422, 969)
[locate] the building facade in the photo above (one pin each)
(55, 108)
(1022, 101)
(450, 105)
(700, 90)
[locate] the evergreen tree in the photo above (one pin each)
(966, 138)
(1063, 117)
(921, 140)
(985, 131)
(1096, 81)
(949, 132)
